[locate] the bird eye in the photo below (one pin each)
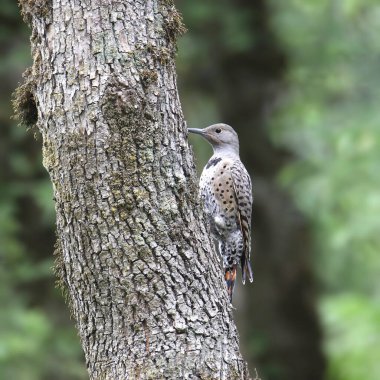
(218, 130)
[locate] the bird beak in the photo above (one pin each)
(196, 131)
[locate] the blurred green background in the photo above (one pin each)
(300, 82)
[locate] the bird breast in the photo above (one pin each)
(217, 190)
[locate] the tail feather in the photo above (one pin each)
(230, 277)
(249, 269)
(246, 269)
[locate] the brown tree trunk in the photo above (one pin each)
(133, 252)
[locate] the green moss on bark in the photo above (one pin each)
(35, 8)
(59, 271)
(23, 101)
(148, 77)
(160, 55)
(173, 25)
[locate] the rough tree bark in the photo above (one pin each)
(133, 251)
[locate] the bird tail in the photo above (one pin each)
(230, 277)
(246, 269)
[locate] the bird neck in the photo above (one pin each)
(226, 151)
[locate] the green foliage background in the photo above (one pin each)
(330, 118)
(328, 115)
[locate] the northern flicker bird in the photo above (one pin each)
(226, 189)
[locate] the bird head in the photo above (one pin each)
(222, 137)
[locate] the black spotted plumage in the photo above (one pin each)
(213, 162)
(226, 189)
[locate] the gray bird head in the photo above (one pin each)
(222, 137)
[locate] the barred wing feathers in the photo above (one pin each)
(243, 192)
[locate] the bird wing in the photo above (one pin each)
(243, 192)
